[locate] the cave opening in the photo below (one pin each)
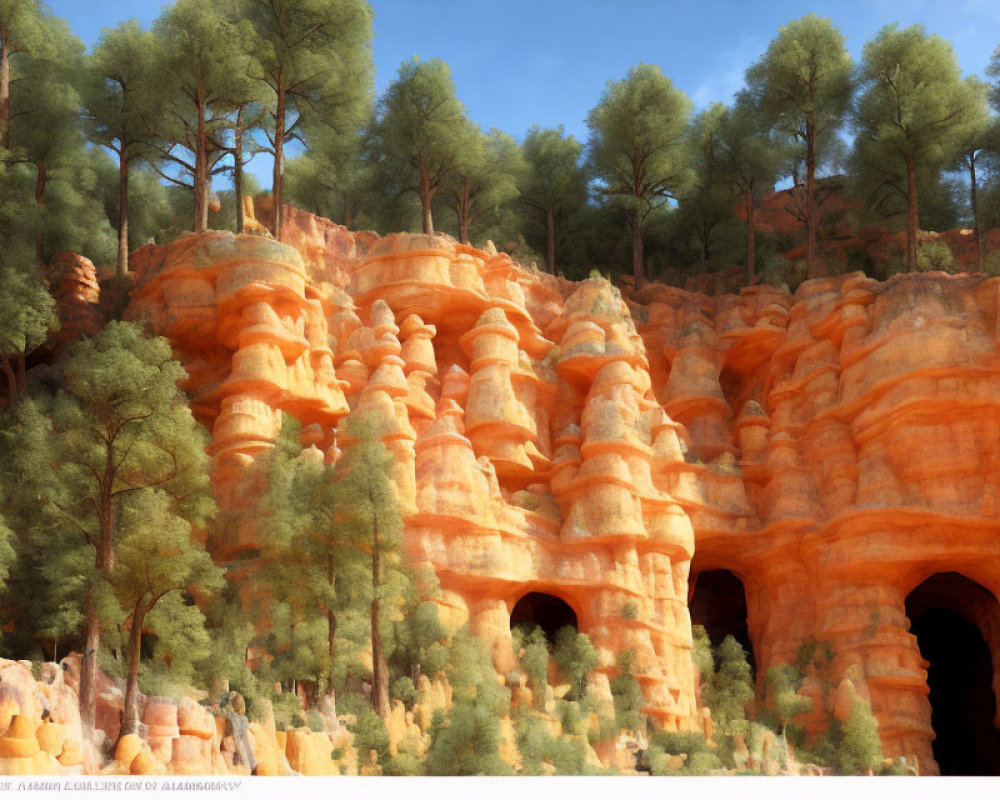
(719, 603)
(947, 612)
(546, 611)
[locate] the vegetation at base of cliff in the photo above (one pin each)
(107, 519)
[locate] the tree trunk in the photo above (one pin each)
(40, 179)
(811, 264)
(105, 559)
(911, 214)
(638, 267)
(425, 199)
(22, 376)
(380, 670)
(8, 371)
(130, 712)
(200, 165)
(751, 240)
(331, 618)
(238, 170)
(550, 239)
(123, 167)
(973, 197)
(4, 89)
(463, 214)
(348, 215)
(88, 667)
(277, 176)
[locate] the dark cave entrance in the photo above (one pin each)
(947, 615)
(545, 611)
(719, 603)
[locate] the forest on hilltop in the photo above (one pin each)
(134, 140)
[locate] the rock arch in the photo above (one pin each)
(956, 622)
(718, 602)
(548, 611)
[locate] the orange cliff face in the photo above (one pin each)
(833, 450)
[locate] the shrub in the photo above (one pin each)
(370, 734)
(627, 694)
(535, 660)
(730, 688)
(576, 657)
(538, 747)
(782, 682)
(859, 749)
(466, 741)
(404, 690)
(935, 255)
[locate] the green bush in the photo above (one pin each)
(466, 741)
(535, 661)
(404, 690)
(627, 694)
(859, 749)
(935, 256)
(675, 744)
(730, 688)
(370, 734)
(538, 747)
(701, 764)
(701, 653)
(576, 657)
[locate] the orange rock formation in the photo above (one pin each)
(833, 449)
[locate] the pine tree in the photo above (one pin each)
(21, 32)
(315, 55)
(421, 133)
(576, 657)
(706, 204)
(122, 105)
(859, 749)
(553, 183)
(803, 84)
(305, 550)
(637, 149)
(155, 562)
(753, 157)
(915, 111)
(27, 315)
(368, 515)
(467, 740)
(206, 52)
(730, 688)
(117, 426)
(484, 181)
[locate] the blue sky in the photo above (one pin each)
(519, 62)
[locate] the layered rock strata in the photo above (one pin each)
(833, 449)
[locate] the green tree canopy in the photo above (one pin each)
(485, 180)
(803, 83)
(553, 183)
(753, 158)
(915, 111)
(121, 98)
(206, 53)
(637, 148)
(117, 426)
(421, 132)
(315, 55)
